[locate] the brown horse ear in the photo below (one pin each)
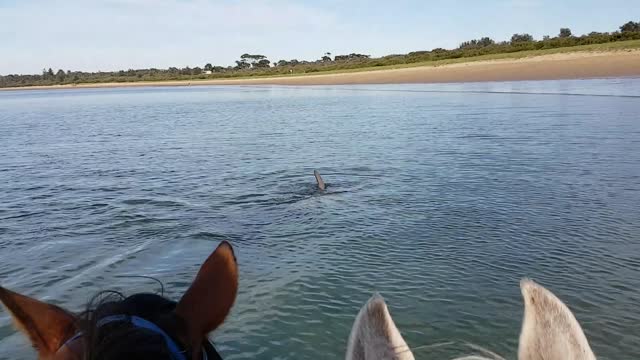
(206, 303)
(46, 325)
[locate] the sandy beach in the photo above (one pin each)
(578, 65)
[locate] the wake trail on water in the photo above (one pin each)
(479, 92)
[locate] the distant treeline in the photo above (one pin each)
(260, 65)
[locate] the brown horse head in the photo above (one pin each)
(141, 326)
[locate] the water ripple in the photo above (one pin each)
(439, 200)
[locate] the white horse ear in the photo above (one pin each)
(374, 335)
(549, 329)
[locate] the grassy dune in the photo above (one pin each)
(608, 47)
(587, 61)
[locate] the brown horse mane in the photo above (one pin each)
(132, 342)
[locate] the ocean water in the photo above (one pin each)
(440, 197)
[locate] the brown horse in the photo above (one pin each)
(141, 326)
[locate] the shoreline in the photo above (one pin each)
(573, 65)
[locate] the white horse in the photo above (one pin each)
(549, 331)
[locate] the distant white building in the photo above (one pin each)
(208, 72)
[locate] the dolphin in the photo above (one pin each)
(321, 184)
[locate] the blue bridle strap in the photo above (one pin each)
(145, 324)
(137, 321)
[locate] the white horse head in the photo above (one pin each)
(549, 331)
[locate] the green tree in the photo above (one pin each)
(252, 59)
(242, 64)
(564, 33)
(352, 56)
(521, 38)
(630, 27)
(263, 63)
(486, 41)
(60, 76)
(483, 42)
(208, 67)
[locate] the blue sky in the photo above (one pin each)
(121, 34)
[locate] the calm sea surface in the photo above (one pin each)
(440, 197)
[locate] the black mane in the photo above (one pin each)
(122, 340)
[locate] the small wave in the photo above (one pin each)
(110, 189)
(205, 235)
(153, 202)
(23, 214)
(479, 136)
(92, 268)
(286, 194)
